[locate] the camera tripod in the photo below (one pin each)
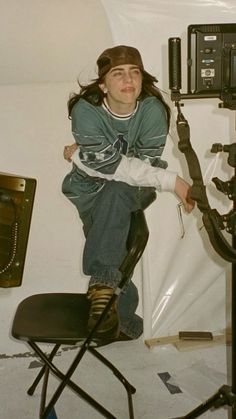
(226, 395)
(202, 84)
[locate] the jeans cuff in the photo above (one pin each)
(110, 278)
(132, 327)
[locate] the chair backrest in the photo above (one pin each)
(137, 239)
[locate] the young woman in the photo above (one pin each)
(120, 123)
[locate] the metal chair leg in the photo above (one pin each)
(33, 387)
(129, 388)
(66, 381)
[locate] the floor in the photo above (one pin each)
(169, 382)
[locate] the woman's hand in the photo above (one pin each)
(182, 190)
(68, 151)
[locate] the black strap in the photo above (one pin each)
(212, 220)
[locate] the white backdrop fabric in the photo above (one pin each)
(185, 284)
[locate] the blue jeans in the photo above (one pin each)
(105, 209)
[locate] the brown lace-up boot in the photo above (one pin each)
(99, 296)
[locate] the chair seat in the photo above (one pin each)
(53, 318)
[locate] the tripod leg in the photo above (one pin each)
(223, 396)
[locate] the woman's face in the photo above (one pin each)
(123, 85)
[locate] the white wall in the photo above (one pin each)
(185, 281)
(47, 45)
(44, 46)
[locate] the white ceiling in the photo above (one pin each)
(50, 40)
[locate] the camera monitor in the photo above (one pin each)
(16, 204)
(212, 59)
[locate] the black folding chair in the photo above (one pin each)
(61, 318)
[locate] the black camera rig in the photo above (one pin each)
(211, 73)
(211, 64)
